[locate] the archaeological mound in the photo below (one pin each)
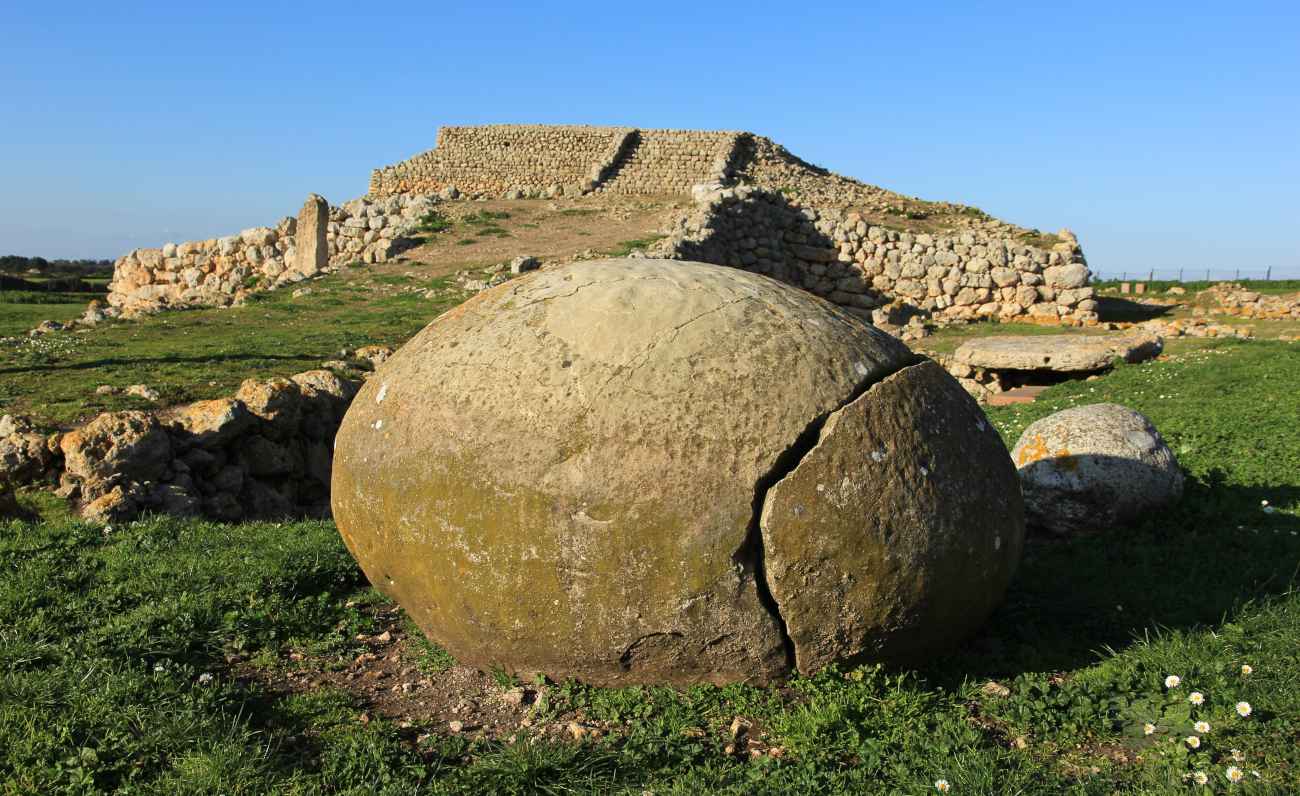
(653, 471)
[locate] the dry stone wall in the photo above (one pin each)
(837, 255)
(501, 160)
(221, 271)
(671, 161)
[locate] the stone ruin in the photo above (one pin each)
(222, 271)
(886, 257)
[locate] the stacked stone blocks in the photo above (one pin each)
(838, 255)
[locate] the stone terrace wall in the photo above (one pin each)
(220, 271)
(497, 160)
(671, 161)
(835, 254)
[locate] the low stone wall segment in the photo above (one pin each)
(838, 255)
(221, 271)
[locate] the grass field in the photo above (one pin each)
(206, 353)
(117, 644)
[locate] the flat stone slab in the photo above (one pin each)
(1061, 353)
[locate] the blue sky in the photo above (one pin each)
(1164, 134)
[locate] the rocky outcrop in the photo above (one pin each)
(1093, 467)
(265, 453)
(623, 446)
(26, 454)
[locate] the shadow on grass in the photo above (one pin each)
(1193, 565)
(170, 360)
(1118, 310)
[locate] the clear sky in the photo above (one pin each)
(1164, 134)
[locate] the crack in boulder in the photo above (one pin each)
(750, 555)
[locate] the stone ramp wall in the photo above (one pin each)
(862, 267)
(671, 161)
(497, 160)
(220, 271)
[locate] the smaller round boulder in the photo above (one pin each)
(1093, 467)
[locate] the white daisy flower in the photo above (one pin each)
(1246, 669)
(1234, 774)
(1243, 709)
(1196, 698)
(1192, 741)
(1237, 755)
(1202, 727)
(1172, 681)
(942, 785)
(1201, 778)
(1148, 728)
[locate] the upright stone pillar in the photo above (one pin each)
(311, 247)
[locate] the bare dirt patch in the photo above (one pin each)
(487, 233)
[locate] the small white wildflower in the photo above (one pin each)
(1201, 778)
(158, 667)
(942, 785)
(1196, 698)
(205, 678)
(1192, 741)
(1148, 728)
(1243, 709)
(1202, 727)
(1234, 774)
(1237, 755)
(1172, 681)
(1247, 670)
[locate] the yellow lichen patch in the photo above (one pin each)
(1032, 451)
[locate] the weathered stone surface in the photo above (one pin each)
(277, 401)
(211, 424)
(1093, 467)
(310, 242)
(1065, 353)
(586, 505)
(117, 445)
(885, 542)
(25, 454)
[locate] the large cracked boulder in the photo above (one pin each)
(1092, 467)
(658, 471)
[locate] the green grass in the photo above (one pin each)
(624, 248)
(1159, 286)
(485, 218)
(107, 633)
(433, 222)
(22, 310)
(206, 353)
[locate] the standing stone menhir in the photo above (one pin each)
(310, 242)
(649, 471)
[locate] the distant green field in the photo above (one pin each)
(205, 353)
(1157, 286)
(113, 675)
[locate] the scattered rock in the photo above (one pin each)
(26, 455)
(107, 389)
(1093, 467)
(142, 391)
(621, 421)
(521, 264)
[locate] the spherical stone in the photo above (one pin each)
(565, 474)
(1092, 467)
